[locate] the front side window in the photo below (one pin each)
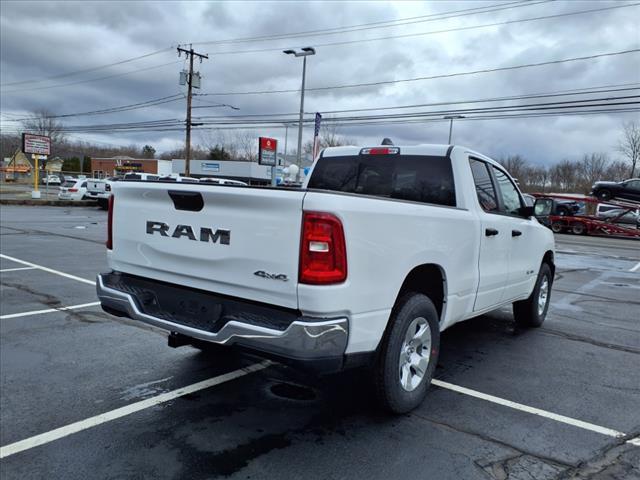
(484, 186)
(416, 178)
(511, 200)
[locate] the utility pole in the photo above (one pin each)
(451, 118)
(187, 144)
(304, 53)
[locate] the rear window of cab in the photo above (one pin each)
(417, 178)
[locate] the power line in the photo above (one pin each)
(560, 93)
(447, 75)
(78, 82)
(86, 70)
(381, 24)
(433, 32)
(163, 125)
(123, 108)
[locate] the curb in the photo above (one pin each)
(52, 203)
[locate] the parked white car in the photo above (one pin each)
(51, 179)
(75, 189)
(223, 181)
(99, 189)
(382, 249)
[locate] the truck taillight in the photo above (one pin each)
(323, 253)
(110, 224)
(380, 151)
(107, 187)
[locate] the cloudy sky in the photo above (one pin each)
(46, 48)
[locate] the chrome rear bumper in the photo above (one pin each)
(304, 339)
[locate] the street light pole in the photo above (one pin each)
(451, 118)
(305, 52)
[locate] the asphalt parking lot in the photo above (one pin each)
(87, 395)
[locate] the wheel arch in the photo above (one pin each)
(429, 279)
(548, 258)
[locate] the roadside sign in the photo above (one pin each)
(267, 151)
(210, 167)
(36, 144)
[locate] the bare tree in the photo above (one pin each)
(616, 171)
(329, 136)
(563, 175)
(629, 145)
(42, 123)
(517, 167)
(591, 169)
(537, 179)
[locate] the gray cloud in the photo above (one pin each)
(41, 39)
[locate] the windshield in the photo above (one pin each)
(407, 177)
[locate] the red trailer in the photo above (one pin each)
(589, 224)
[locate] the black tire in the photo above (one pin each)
(578, 228)
(604, 195)
(526, 313)
(103, 203)
(412, 310)
(557, 227)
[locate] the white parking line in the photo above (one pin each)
(67, 430)
(50, 270)
(634, 441)
(48, 310)
(16, 269)
(637, 267)
(535, 411)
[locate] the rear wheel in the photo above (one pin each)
(578, 228)
(532, 311)
(556, 227)
(408, 355)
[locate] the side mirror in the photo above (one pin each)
(526, 212)
(543, 207)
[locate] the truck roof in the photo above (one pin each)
(423, 149)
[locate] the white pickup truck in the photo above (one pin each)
(380, 250)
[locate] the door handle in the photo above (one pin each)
(516, 233)
(490, 232)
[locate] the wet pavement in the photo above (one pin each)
(87, 395)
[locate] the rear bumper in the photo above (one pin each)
(313, 342)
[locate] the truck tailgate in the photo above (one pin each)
(97, 186)
(242, 242)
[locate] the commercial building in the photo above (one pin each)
(107, 167)
(249, 172)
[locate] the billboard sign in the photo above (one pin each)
(36, 144)
(267, 151)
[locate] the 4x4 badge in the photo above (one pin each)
(271, 276)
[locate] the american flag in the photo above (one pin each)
(316, 139)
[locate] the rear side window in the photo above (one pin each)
(510, 196)
(484, 186)
(405, 177)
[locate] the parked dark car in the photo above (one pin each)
(544, 207)
(627, 190)
(565, 207)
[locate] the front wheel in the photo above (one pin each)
(604, 195)
(408, 354)
(533, 311)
